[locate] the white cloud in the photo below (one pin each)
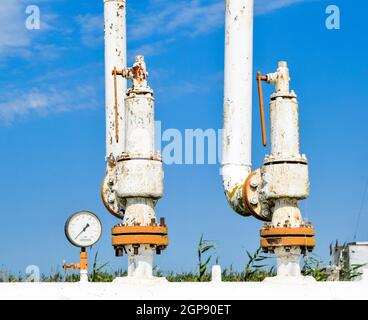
(91, 29)
(166, 19)
(56, 92)
(267, 6)
(169, 19)
(193, 17)
(47, 100)
(13, 32)
(181, 17)
(198, 84)
(15, 38)
(150, 49)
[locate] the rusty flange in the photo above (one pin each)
(109, 198)
(154, 236)
(108, 195)
(251, 197)
(302, 237)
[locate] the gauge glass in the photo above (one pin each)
(83, 229)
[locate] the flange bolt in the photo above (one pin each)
(254, 201)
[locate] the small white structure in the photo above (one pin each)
(352, 256)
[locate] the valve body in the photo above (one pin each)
(134, 180)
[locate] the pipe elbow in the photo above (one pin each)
(234, 177)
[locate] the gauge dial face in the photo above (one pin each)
(83, 229)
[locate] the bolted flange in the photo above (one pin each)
(108, 194)
(251, 197)
(155, 236)
(302, 237)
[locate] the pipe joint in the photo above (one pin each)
(280, 79)
(138, 75)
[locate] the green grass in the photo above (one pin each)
(257, 268)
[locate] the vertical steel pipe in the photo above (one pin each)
(115, 57)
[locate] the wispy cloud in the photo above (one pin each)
(167, 19)
(46, 100)
(91, 29)
(267, 6)
(13, 33)
(16, 39)
(150, 49)
(189, 18)
(50, 94)
(150, 33)
(161, 18)
(201, 83)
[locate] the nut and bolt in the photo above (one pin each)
(119, 252)
(254, 201)
(111, 199)
(254, 183)
(162, 222)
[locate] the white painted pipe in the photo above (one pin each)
(237, 143)
(84, 276)
(140, 126)
(288, 263)
(115, 56)
(140, 266)
(285, 140)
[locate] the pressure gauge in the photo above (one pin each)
(83, 229)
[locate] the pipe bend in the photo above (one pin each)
(238, 75)
(234, 177)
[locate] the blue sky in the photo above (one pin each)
(52, 126)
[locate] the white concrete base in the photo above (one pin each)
(291, 280)
(186, 291)
(140, 281)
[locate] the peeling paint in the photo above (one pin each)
(237, 137)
